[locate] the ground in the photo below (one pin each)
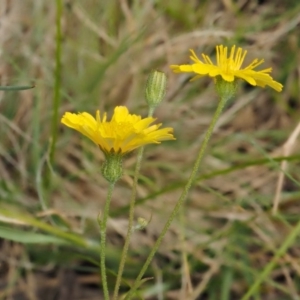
(230, 227)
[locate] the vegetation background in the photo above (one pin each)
(49, 246)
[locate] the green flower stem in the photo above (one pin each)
(151, 111)
(269, 267)
(57, 77)
(183, 196)
(103, 223)
(131, 216)
(130, 223)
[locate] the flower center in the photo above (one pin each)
(117, 130)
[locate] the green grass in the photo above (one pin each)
(107, 51)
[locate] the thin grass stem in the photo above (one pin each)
(269, 267)
(57, 81)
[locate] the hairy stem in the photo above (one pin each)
(103, 223)
(182, 197)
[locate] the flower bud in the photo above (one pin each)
(224, 88)
(155, 88)
(112, 168)
(141, 223)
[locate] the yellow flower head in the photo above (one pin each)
(229, 67)
(122, 134)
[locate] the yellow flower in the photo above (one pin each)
(229, 67)
(124, 133)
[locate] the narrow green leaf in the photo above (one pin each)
(28, 237)
(16, 88)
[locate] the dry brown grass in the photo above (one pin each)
(109, 47)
